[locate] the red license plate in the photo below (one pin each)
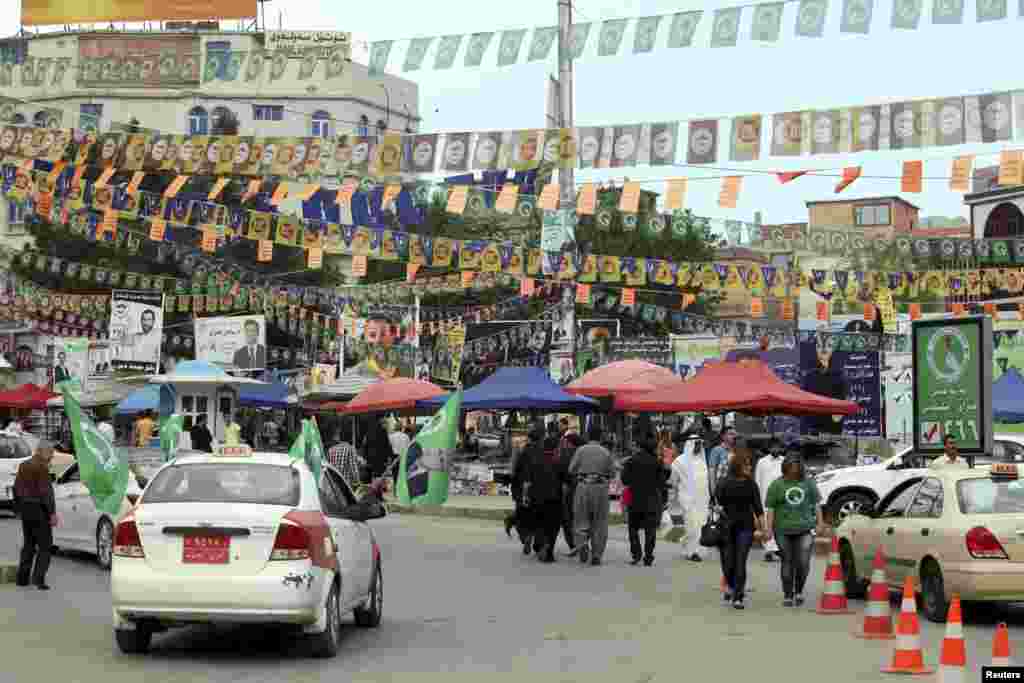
(206, 550)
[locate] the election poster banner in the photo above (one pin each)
(237, 341)
(136, 330)
(71, 364)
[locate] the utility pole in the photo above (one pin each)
(565, 95)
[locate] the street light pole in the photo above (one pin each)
(565, 95)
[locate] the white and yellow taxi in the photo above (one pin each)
(243, 537)
(955, 530)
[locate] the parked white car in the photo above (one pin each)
(14, 450)
(243, 537)
(82, 527)
(855, 490)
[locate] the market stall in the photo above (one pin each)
(524, 389)
(399, 395)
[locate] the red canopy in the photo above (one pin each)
(747, 386)
(392, 395)
(623, 377)
(26, 397)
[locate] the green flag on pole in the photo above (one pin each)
(423, 469)
(309, 448)
(102, 469)
(170, 434)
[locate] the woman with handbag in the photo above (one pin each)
(743, 520)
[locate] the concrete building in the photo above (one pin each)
(996, 211)
(878, 217)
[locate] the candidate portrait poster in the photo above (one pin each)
(71, 363)
(239, 342)
(136, 330)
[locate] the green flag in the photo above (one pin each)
(170, 434)
(102, 469)
(309, 448)
(423, 469)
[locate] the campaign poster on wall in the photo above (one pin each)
(71, 364)
(690, 353)
(844, 375)
(492, 345)
(237, 341)
(898, 376)
(136, 329)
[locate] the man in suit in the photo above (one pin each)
(252, 356)
(60, 371)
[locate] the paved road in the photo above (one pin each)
(462, 604)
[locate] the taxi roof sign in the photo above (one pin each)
(1003, 470)
(233, 451)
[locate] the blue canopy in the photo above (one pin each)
(1008, 397)
(146, 398)
(518, 389)
(273, 395)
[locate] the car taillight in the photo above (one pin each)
(127, 542)
(982, 544)
(291, 543)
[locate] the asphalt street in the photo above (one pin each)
(462, 604)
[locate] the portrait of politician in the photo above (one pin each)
(252, 356)
(60, 371)
(145, 345)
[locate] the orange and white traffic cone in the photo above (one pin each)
(953, 661)
(908, 658)
(1001, 647)
(833, 597)
(877, 615)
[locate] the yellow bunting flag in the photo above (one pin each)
(586, 203)
(391, 193)
(315, 258)
(915, 311)
(629, 202)
(157, 229)
(583, 294)
(175, 187)
(252, 190)
(265, 252)
(960, 178)
(280, 194)
(549, 197)
(110, 222)
(218, 187)
(756, 307)
(675, 194)
(209, 243)
(850, 174)
(526, 286)
(359, 265)
(105, 177)
(507, 198)
(913, 174)
(1011, 168)
(136, 181)
(307, 192)
(458, 199)
(730, 193)
(44, 204)
(628, 297)
(410, 271)
(467, 278)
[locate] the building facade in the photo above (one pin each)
(996, 210)
(878, 217)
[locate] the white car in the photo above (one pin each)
(243, 537)
(854, 490)
(82, 527)
(14, 450)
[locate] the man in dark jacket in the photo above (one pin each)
(520, 517)
(545, 479)
(646, 476)
(33, 494)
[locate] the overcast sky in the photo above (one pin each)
(795, 73)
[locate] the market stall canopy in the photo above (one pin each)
(1008, 397)
(746, 386)
(273, 395)
(106, 394)
(26, 397)
(198, 372)
(622, 377)
(146, 398)
(392, 395)
(518, 389)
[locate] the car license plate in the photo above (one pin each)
(206, 550)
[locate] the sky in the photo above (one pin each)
(699, 82)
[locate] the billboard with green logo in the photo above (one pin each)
(953, 384)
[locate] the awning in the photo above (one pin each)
(518, 389)
(26, 397)
(114, 392)
(621, 377)
(146, 398)
(399, 394)
(274, 395)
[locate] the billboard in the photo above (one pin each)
(136, 330)
(54, 12)
(130, 61)
(239, 341)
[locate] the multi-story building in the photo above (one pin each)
(996, 210)
(878, 217)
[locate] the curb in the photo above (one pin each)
(492, 515)
(8, 572)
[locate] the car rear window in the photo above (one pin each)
(225, 483)
(990, 497)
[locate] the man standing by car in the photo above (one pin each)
(33, 494)
(951, 458)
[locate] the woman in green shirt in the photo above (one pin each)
(793, 507)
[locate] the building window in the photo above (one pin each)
(865, 216)
(268, 112)
(41, 120)
(321, 124)
(16, 212)
(198, 121)
(89, 116)
(364, 126)
(192, 407)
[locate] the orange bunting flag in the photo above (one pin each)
(507, 198)
(307, 192)
(58, 168)
(526, 286)
(218, 187)
(960, 178)
(688, 300)
(359, 265)
(157, 229)
(252, 190)
(467, 278)
(209, 243)
(629, 202)
(548, 197)
(730, 193)
(586, 203)
(788, 309)
(850, 174)
(913, 174)
(675, 194)
(175, 187)
(628, 297)
(756, 307)
(458, 199)
(583, 294)
(265, 253)
(789, 176)
(133, 186)
(1011, 168)
(959, 310)
(280, 194)
(869, 313)
(105, 177)
(822, 310)
(410, 271)
(315, 258)
(915, 311)
(990, 310)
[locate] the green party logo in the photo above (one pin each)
(948, 354)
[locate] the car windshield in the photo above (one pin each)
(990, 496)
(225, 483)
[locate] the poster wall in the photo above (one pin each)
(139, 62)
(898, 376)
(690, 353)
(136, 329)
(238, 341)
(495, 344)
(1008, 342)
(71, 363)
(56, 12)
(383, 344)
(846, 375)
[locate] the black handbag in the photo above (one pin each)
(712, 534)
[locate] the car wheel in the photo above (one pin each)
(369, 615)
(856, 587)
(104, 543)
(134, 642)
(850, 504)
(933, 593)
(328, 643)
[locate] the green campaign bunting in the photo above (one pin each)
(423, 469)
(103, 470)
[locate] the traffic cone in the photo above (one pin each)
(1001, 647)
(877, 615)
(953, 661)
(833, 597)
(908, 658)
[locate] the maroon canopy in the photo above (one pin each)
(391, 395)
(747, 386)
(623, 377)
(26, 397)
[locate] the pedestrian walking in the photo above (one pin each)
(743, 515)
(793, 506)
(520, 519)
(570, 443)
(769, 468)
(718, 458)
(646, 477)
(544, 477)
(592, 468)
(33, 495)
(694, 498)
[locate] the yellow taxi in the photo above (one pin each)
(955, 530)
